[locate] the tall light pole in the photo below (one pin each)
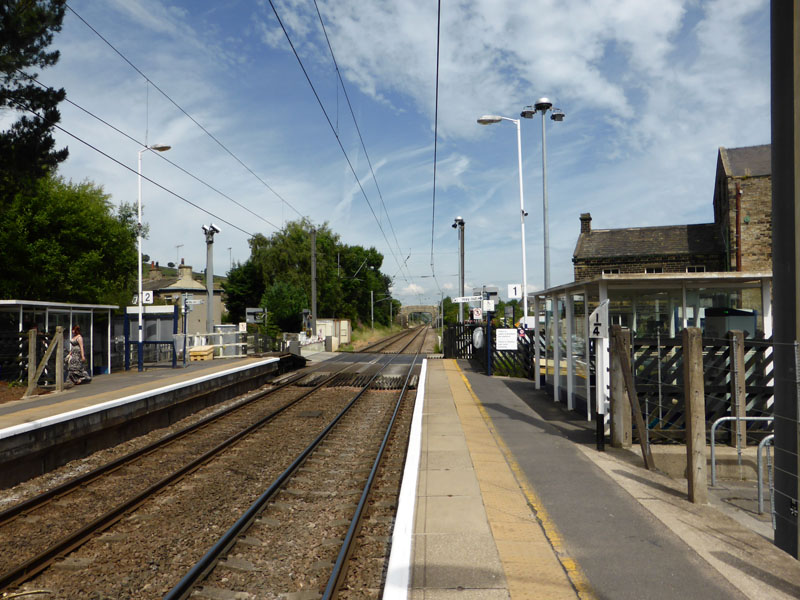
(459, 224)
(178, 254)
(556, 114)
(209, 232)
(140, 346)
(488, 120)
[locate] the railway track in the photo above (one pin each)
(59, 545)
(399, 342)
(321, 498)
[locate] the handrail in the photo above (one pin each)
(760, 470)
(713, 429)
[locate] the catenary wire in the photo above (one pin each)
(358, 129)
(435, 130)
(124, 166)
(180, 108)
(333, 129)
(161, 156)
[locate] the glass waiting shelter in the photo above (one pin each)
(652, 306)
(17, 317)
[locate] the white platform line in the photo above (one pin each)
(399, 570)
(38, 424)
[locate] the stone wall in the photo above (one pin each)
(755, 225)
(593, 267)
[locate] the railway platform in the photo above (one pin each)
(48, 430)
(512, 500)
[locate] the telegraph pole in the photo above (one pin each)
(314, 281)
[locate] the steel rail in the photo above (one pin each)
(61, 490)
(74, 540)
(386, 341)
(183, 589)
(340, 566)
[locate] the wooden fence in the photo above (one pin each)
(658, 374)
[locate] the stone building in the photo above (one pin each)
(743, 206)
(739, 239)
(171, 289)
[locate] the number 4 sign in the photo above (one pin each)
(598, 321)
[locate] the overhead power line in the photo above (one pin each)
(333, 129)
(180, 108)
(355, 122)
(124, 166)
(160, 155)
(436, 136)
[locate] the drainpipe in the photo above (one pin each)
(738, 226)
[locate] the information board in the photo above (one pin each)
(506, 339)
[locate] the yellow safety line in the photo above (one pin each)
(571, 567)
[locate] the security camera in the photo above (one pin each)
(214, 228)
(543, 104)
(205, 229)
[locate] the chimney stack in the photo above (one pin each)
(586, 222)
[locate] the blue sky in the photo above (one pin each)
(650, 90)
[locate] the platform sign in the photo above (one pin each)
(514, 291)
(488, 306)
(598, 321)
(147, 297)
(506, 339)
(465, 299)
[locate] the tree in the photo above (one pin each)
(279, 273)
(244, 288)
(27, 146)
(64, 242)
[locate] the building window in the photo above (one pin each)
(696, 269)
(653, 269)
(610, 271)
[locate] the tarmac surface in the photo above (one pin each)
(514, 501)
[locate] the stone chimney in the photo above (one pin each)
(586, 222)
(184, 272)
(155, 271)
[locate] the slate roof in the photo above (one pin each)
(749, 161)
(703, 238)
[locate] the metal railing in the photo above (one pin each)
(760, 470)
(713, 448)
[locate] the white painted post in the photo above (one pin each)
(587, 355)
(602, 380)
(556, 348)
(569, 306)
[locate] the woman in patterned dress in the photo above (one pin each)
(76, 373)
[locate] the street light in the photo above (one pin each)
(459, 224)
(157, 148)
(556, 114)
(488, 120)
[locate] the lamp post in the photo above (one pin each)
(459, 224)
(157, 148)
(209, 234)
(556, 114)
(488, 120)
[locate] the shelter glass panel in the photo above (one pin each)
(580, 371)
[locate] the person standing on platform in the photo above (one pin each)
(76, 372)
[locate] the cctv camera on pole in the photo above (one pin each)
(210, 231)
